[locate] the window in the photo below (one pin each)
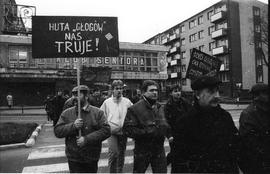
(225, 63)
(259, 77)
(224, 77)
(176, 44)
(182, 29)
(177, 31)
(192, 23)
(154, 60)
(222, 42)
(193, 37)
(201, 48)
(182, 41)
(209, 14)
(183, 68)
(212, 45)
(183, 54)
(184, 82)
(259, 61)
(211, 29)
(258, 28)
(221, 25)
(18, 56)
(200, 34)
(258, 44)
(256, 11)
(148, 61)
(200, 20)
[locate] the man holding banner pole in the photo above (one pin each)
(83, 151)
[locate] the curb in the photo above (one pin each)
(30, 142)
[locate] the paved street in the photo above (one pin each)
(48, 154)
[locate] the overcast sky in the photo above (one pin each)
(138, 20)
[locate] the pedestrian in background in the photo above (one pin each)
(146, 124)
(58, 104)
(115, 109)
(72, 100)
(96, 99)
(174, 109)
(83, 152)
(9, 100)
(137, 97)
(49, 107)
(206, 139)
(255, 132)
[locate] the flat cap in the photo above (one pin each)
(82, 88)
(259, 87)
(205, 82)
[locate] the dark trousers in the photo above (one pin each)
(157, 161)
(77, 167)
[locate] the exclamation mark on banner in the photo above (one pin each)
(97, 41)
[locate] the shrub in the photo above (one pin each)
(12, 132)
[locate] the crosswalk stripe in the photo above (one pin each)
(59, 151)
(64, 166)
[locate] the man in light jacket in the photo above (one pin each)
(83, 152)
(115, 109)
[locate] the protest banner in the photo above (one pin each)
(202, 64)
(74, 36)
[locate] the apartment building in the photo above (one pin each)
(230, 30)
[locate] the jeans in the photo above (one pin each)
(78, 167)
(117, 147)
(142, 160)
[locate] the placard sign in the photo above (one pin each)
(73, 36)
(96, 74)
(202, 64)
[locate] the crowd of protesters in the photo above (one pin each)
(202, 135)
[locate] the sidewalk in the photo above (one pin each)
(47, 137)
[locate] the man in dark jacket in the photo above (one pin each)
(206, 139)
(255, 132)
(174, 109)
(58, 103)
(96, 99)
(83, 152)
(146, 124)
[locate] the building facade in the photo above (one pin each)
(232, 31)
(30, 80)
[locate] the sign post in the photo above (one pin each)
(74, 36)
(202, 64)
(79, 89)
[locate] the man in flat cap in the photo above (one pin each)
(255, 132)
(206, 139)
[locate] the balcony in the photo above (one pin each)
(175, 62)
(218, 16)
(172, 50)
(172, 37)
(218, 33)
(175, 75)
(164, 41)
(219, 50)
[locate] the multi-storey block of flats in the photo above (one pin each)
(234, 31)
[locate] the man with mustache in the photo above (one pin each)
(206, 139)
(255, 132)
(146, 124)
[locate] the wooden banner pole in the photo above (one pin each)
(78, 84)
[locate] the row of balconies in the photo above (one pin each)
(170, 38)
